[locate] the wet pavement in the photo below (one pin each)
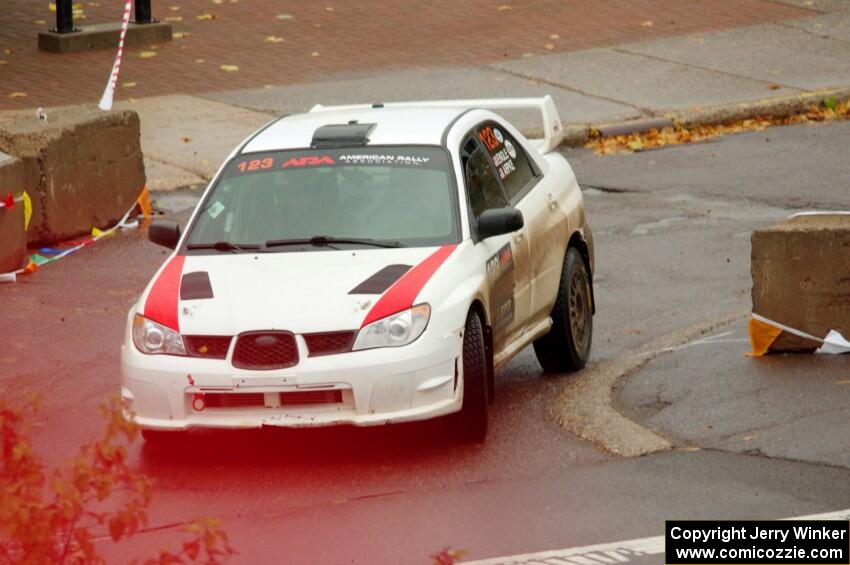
(673, 250)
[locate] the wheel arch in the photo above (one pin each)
(578, 242)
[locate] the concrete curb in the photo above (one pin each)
(777, 107)
(585, 408)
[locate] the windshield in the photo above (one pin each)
(397, 196)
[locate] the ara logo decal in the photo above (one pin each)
(309, 161)
(503, 260)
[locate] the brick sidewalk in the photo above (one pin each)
(333, 38)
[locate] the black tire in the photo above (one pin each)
(471, 421)
(566, 347)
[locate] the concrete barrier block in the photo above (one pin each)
(89, 168)
(13, 238)
(801, 276)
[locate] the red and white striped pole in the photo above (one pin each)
(109, 92)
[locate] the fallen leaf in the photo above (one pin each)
(174, 8)
(147, 54)
(317, 25)
(217, 1)
(549, 46)
(185, 139)
(274, 39)
(93, 4)
(229, 68)
(52, 6)
(174, 18)
(527, 55)
(749, 437)
(843, 382)
(774, 86)
(647, 23)
(693, 448)
(199, 60)
(18, 95)
(315, 53)
(504, 8)
(329, 8)
(180, 34)
(284, 16)
(7, 51)
(830, 103)
(554, 36)
(39, 22)
(129, 84)
(206, 16)
(3, 62)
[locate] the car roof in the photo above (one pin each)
(393, 126)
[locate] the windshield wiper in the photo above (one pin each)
(328, 241)
(224, 246)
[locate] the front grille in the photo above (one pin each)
(265, 351)
(237, 400)
(311, 397)
(329, 342)
(209, 346)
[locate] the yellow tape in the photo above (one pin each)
(27, 210)
(762, 336)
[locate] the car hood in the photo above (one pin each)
(302, 292)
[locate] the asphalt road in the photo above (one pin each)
(672, 229)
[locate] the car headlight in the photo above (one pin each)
(153, 338)
(395, 330)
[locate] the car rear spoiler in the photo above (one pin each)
(553, 130)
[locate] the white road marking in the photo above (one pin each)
(615, 552)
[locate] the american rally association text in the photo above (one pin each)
(756, 533)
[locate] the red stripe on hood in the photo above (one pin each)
(162, 302)
(404, 291)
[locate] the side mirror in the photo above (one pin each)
(165, 233)
(498, 221)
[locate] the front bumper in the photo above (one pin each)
(378, 386)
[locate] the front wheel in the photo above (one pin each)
(471, 421)
(566, 347)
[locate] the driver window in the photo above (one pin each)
(483, 187)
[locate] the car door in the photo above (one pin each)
(536, 196)
(506, 256)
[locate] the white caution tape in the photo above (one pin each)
(821, 213)
(109, 92)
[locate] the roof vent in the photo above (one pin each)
(341, 135)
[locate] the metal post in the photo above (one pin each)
(64, 17)
(143, 12)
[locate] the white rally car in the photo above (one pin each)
(365, 265)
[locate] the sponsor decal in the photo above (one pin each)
(161, 303)
(510, 148)
(498, 135)
(383, 159)
(215, 209)
(309, 161)
(500, 272)
(403, 293)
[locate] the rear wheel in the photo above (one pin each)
(566, 347)
(471, 421)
